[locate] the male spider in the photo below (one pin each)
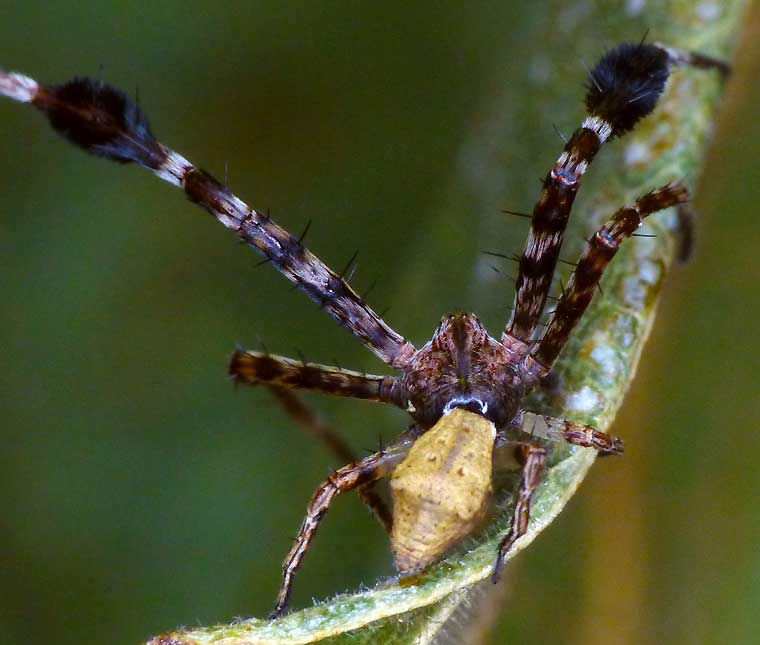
(463, 389)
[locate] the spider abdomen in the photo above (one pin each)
(442, 489)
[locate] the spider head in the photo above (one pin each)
(462, 366)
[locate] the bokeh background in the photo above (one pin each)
(140, 491)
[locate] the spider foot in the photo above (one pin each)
(498, 566)
(277, 612)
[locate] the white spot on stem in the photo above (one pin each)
(636, 153)
(649, 272)
(606, 357)
(708, 10)
(585, 400)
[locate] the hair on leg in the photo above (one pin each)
(601, 248)
(306, 419)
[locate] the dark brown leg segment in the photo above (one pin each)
(312, 425)
(345, 479)
(103, 121)
(258, 368)
(680, 57)
(686, 232)
(554, 429)
(533, 467)
(623, 88)
(550, 216)
(600, 250)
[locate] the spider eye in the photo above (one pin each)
(471, 405)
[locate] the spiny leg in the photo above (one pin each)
(601, 248)
(555, 429)
(680, 57)
(623, 88)
(311, 424)
(282, 374)
(534, 461)
(260, 368)
(103, 121)
(306, 419)
(345, 479)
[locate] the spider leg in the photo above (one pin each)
(306, 419)
(680, 57)
(350, 477)
(555, 429)
(623, 88)
(104, 122)
(259, 368)
(600, 250)
(685, 233)
(534, 460)
(550, 216)
(282, 375)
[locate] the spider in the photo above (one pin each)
(463, 389)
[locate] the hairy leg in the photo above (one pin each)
(105, 122)
(306, 419)
(260, 368)
(623, 88)
(555, 429)
(600, 250)
(534, 461)
(350, 477)
(680, 57)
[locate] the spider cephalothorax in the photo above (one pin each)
(464, 389)
(462, 366)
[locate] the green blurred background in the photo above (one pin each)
(141, 491)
